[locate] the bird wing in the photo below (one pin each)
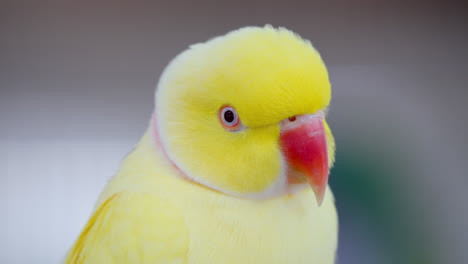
(133, 228)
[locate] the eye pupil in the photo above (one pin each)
(229, 116)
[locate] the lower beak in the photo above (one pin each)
(304, 145)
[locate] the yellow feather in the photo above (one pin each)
(146, 215)
(133, 228)
(151, 213)
(267, 75)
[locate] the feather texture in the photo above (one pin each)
(146, 215)
(186, 193)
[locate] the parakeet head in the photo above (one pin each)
(243, 114)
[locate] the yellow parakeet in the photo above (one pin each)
(234, 165)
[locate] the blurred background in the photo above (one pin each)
(77, 81)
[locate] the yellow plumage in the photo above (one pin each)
(151, 212)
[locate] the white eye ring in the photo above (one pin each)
(229, 118)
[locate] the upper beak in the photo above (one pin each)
(304, 145)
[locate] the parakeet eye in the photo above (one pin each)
(229, 118)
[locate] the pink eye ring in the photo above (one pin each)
(229, 118)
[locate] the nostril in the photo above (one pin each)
(292, 118)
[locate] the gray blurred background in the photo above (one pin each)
(77, 81)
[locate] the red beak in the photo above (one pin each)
(304, 146)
